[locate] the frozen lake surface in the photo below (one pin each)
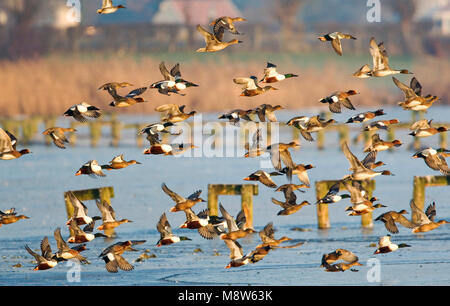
(35, 183)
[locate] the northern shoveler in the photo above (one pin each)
(335, 38)
(213, 43)
(10, 216)
(182, 203)
(337, 98)
(361, 205)
(386, 246)
(66, 253)
(272, 76)
(8, 146)
(377, 144)
(338, 254)
(234, 232)
(380, 63)
(263, 177)
(235, 115)
(118, 162)
(108, 216)
(173, 113)
(251, 87)
(172, 80)
(289, 207)
(266, 111)
(391, 217)
(366, 116)
(78, 112)
(423, 128)
(83, 235)
(108, 7)
(57, 135)
(279, 152)
(381, 124)
(209, 227)
(112, 255)
(424, 221)
(44, 261)
(332, 195)
(114, 85)
(435, 159)
(168, 149)
(130, 99)
(80, 210)
(360, 172)
(165, 230)
(225, 23)
(308, 125)
(91, 168)
(413, 98)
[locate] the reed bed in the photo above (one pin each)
(48, 86)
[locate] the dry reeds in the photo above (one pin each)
(51, 85)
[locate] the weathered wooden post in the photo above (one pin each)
(247, 191)
(323, 220)
(116, 127)
(322, 188)
(102, 193)
(443, 140)
(419, 184)
(343, 134)
(321, 133)
(29, 129)
(95, 129)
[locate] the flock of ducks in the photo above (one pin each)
(227, 228)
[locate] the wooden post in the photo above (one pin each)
(95, 129)
(116, 127)
(443, 140)
(419, 184)
(247, 191)
(418, 192)
(103, 193)
(323, 220)
(343, 134)
(322, 188)
(29, 128)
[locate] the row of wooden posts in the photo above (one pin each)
(30, 127)
(247, 191)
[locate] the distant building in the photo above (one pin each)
(193, 12)
(438, 12)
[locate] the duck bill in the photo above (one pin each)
(78, 173)
(246, 179)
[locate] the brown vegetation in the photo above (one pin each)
(51, 85)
